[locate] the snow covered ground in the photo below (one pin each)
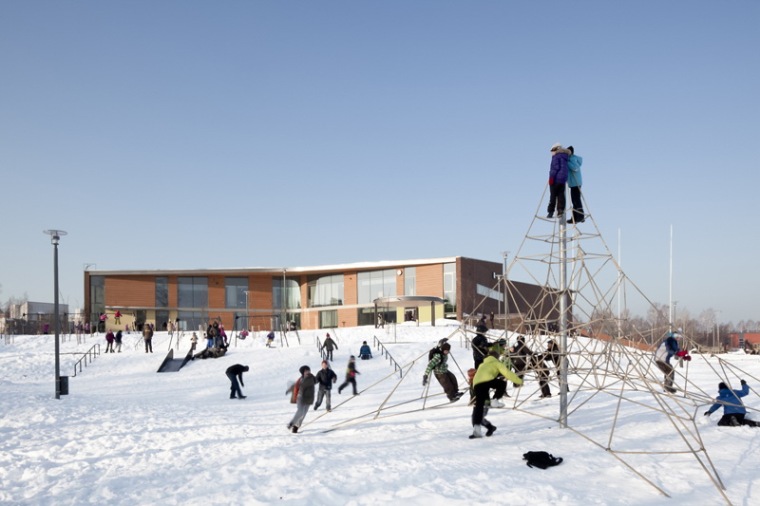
(129, 435)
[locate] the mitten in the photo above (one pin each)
(551, 181)
(424, 380)
(707, 413)
(743, 382)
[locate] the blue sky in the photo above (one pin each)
(246, 134)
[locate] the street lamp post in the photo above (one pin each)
(55, 238)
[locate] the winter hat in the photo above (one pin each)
(352, 357)
(556, 146)
(246, 368)
(571, 149)
(722, 386)
(445, 346)
(303, 369)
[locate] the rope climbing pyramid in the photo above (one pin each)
(608, 354)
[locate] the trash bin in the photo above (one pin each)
(64, 385)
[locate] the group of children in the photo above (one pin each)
(493, 370)
(302, 391)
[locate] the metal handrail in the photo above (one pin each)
(320, 347)
(384, 351)
(93, 352)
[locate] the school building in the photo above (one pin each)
(327, 296)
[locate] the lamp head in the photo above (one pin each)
(55, 235)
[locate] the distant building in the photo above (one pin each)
(746, 340)
(300, 297)
(35, 318)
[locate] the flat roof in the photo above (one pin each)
(388, 264)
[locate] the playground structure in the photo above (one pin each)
(606, 359)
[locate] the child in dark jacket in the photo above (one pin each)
(351, 373)
(557, 181)
(325, 379)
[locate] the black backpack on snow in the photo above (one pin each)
(541, 460)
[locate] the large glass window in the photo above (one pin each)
(328, 319)
(192, 320)
(162, 320)
(234, 292)
(450, 287)
(326, 291)
(162, 292)
(192, 292)
(97, 298)
(288, 297)
(374, 284)
(410, 281)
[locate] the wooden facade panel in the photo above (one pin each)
(350, 294)
(130, 291)
(173, 291)
(310, 320)
(261, 292)
(430, 280)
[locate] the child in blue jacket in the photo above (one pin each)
(734, 411)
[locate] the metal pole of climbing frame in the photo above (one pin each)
(504, 278)
(563, 320)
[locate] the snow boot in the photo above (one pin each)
(490, 430)
(477, 432)
(496, 403)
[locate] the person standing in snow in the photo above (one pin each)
(557, 180)
(117, 340)
(235, 375)
(487, 378)
(304, 399)
(329, 345)
(148, 337)
(734, 412)
(351, 373)
(325, 379)
(193, 342)
(662, 356)
(574, 181)
(109, 340)
(438, 364)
